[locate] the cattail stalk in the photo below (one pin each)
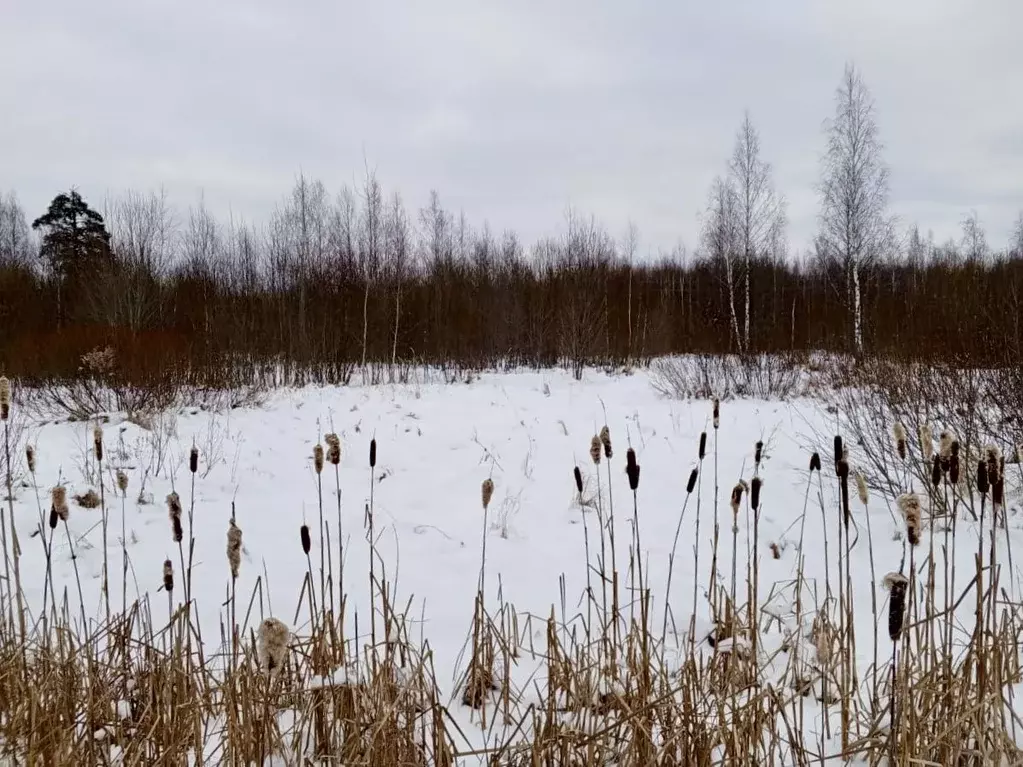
(97, 443)
(690, 486)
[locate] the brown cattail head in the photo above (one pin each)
(953, 463)
(168, 575)
(983, 485)
(909, 506)
(605, 440)
(122, 482)
(842, 469)
(815, 462)
(487, 492)
(58, 500)
(754, 493)
(897, 584)
(901, 441)
(373, 453)
(306, 541)
(272, 644)
(174, 512)
(578, 480)
(53, 518)
(758, 451)
(595, 449)
(998, 485)
(737, 496)
(861, 487)
(717, 412)
(234, 548)
(936, 471)
(703, 445)
(926, 442)
(839, 449)
(97, 441)
(5, 398)
(193, 460)
(333, 448)
(630, 458)
(30, 458)
(691, 484)
(632, 471)
(318, 458)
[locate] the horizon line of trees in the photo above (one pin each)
(332, 283)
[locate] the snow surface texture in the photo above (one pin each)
(436, 443)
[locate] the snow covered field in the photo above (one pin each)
(436, 443)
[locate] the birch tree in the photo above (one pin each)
(720, 240)
(759, 211)
(855, 228)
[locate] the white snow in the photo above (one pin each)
(436, 442)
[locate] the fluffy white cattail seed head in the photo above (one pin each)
(122, 482)
(861, 487)
(596, 449)
(333, 448)
(97, 441)
(901, 440)
(234, 548)
(605, 440)
(58, 500)
(318, 458)
(926, 442)
(272, 644)
(909, 506)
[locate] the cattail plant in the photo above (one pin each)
(716, 412)
(909, 506)
(936, 472)
(372, 542)
(193, 459)
(945, 440)
(897, 585)
(59, 507)
(486, 495)
(303, 533)
(864, 497)
(272, 645)
(815, 462)
(690, 486)
(596, 450)
(703, 445)
(758, 452)
(97, 445)
(5, 413)
(334, 458)
(578, 484)
(122, 486)
(30, 459)
(839, 450)
(318, 457)
(605, 440)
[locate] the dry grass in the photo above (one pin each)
(611, 688)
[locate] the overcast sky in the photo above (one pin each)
(513, 111)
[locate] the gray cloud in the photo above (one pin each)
(514, 112)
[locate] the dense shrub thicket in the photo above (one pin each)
(329, 285)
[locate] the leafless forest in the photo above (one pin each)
(336, 281)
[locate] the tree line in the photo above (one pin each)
(332, 283)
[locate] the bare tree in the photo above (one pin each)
(721, 242)
(1016, 242)
(143, 235)
(974, 240)
(759, 210)
(15, 235)
(371, 238)
(398, 256)
(855, 228)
